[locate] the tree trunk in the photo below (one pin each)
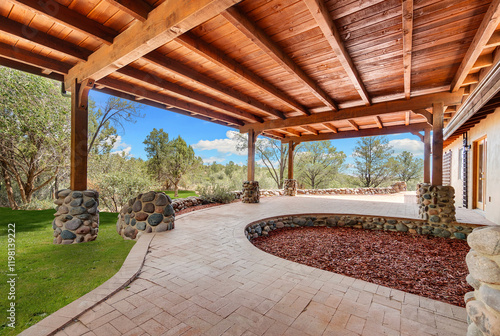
(56, 186)
(8, 188)
(176, 189)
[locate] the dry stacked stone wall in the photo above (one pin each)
(77, 216)
(290, 187)
(413, 226)
(483, 260)
(251, 192)
(395, 188)
(436, 203)
(149, 212)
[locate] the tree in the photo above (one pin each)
(34, 132)
(405, 167)
(157, 150)
(371, 160)
(180, 158)
(318, 162)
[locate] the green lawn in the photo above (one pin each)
(51, 276)
(182, 193)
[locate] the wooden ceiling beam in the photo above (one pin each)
(186, 72)
(69, 18)
(42, 39)
(331, 127)
(274, 134)
(264, 42)
(483, 61)
(379, 122)
(484, 33)
(494, 40)
(197, 45)
(407, 118)
(414, 103)
(310, 129)
(426, 114)
(471, 79)
(353, 124)
(139, 9)
(30, 69)
(325, 22)
(291, 131)
(361, 133)
(170, 101)
(37, 60)
(186, 93)
(407, 44)
(167, 21)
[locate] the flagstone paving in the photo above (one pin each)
(206, 278)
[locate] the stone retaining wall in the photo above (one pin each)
(414, 226)
(77, 216)
(436, 203)
(483, 260)
(395, 188)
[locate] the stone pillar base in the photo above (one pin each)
(483, 304)
(149, 212)
(290, 187)
(77, 216)
(436, 203)
(251, 193)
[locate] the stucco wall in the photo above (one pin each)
(489, 127)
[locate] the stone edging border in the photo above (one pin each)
(66, 315)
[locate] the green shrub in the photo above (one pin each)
(216, 194)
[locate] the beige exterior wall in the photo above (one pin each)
(489, 127)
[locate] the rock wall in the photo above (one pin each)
(483, 260)
(149, 212)
(77, 216)
(251, 192)
(413, 226)
(395, 188)
(436, 203)
(290, 187)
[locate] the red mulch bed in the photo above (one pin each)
(427, 266)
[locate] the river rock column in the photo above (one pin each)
(251, 192)
(290, 187)
(149, 212)
(483, 304)
(77, 216)
(436, 203)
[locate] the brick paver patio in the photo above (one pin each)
(206, 278)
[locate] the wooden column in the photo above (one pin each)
(437, 143)
(291, 148)
(252, 138)
(427, 156)
(79, 134)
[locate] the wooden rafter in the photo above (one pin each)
(69, 18)
(30, 69)
(309, 129)
(275, 134)
(197, 45)
(483, 61)
(420, 102)
(332, 35)
(331, 127)
(264, 42)
(291, 131)
(471, 79)
(26, 57)
(361, 133)
(186, 72)
(167, 21)
(407, 118)
(186, 93)
(407, 44)
(353, 124)
(139, 9)
(379, 122)
(484, 33)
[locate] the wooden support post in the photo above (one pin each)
(291, 148)
(252, 138)
(79, 134)
(427, 156)
(437, 143)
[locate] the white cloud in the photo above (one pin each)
(120, 147)
(218, 159)
(414, 146)
(227, 145)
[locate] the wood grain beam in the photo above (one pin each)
(197, 45)
(427, 156)
(274, 134)
(186, 93)
(186, 72)
(139, 9)
(437, 144)
(494, 40)
(42, 39)
(471, 79)
(309, 129)
(483, 61)
(331, 127)
(407, 44)
(419, 135)
(69, 18)
(26, 57)
(264, 42)
(252, 139)
(170, 101)
(325, 22)
(414, 103)
(167, 21)
(379, 122)
(353, 124)
(419, 127)
(407, 118)
(291, 131)
(30, 69)
(484, 33)
(424, 113)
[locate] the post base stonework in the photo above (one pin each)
(251, 192)
(290, 187)
(436, 203)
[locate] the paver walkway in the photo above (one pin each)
(206, 278)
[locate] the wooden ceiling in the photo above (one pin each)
(296, 70)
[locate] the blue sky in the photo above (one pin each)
(213, 142)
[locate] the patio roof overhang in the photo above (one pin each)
(294, 70)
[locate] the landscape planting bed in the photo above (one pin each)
(428, 266)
